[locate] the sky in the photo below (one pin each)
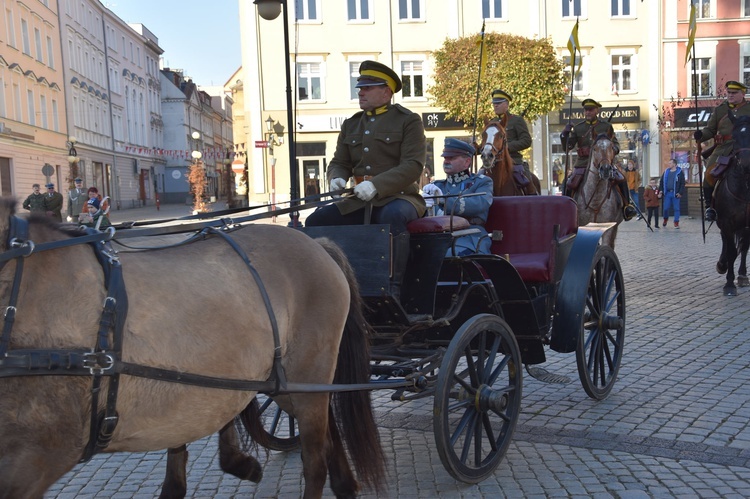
(200, 37)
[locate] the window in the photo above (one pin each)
(580, 85)
(353, 75)
(623, 73)
(50, 53)
(11, 28)
(2, 99)
(25, 37)
(573, 8)
(703, 9)
(17, 113)
(307, 10)
(412, 79)
(32, 107)
(43, 111)
(38, 45)
(703, 72)
(746, 8)
(55, 119)
(412, 10)
(309, 80)
(359, 10)
(745, 64)
(623, 8)
(494, 9)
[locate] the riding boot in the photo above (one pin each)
(628, 211)
(708, 194)
(400, 259)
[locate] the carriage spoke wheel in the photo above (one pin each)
(478, 398)
(280, 428)
(602, 334)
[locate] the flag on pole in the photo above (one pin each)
(483, 60)
(691, 33)
(573, 46)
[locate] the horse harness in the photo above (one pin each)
(605, 174)
(104, 359)
(519, 177)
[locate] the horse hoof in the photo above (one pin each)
(730, 290)
(721, 267)
(743, 281)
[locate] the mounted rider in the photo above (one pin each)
(719, 128)
(517, 133)
(582, 136)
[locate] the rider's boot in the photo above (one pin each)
(628, 211)
(708, 194)
(400, 259)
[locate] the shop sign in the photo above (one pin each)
(690, 117)
(440, 121)
(626, 114)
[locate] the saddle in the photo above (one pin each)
(522, 180)
(720, 168)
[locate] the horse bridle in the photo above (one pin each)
(495, 151)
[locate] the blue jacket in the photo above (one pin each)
(475, 209)
(678, 184)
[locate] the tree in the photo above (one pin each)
(528, 69)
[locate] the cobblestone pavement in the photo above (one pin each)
(675, 425)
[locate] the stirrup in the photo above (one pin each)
(629, 212)
(710, 215)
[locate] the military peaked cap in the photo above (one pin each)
(455, 147)
(735, 85)
(373, 74)
(500, 95)
(590, 103)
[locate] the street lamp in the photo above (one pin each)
(269, 10)
(275, 132)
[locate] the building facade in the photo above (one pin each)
(618, 40)
(33, 129)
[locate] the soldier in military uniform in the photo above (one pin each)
(76, 200)
(53, 203)
(382, 149)
(719, 128)
(519, 138)
(457, 159)
(583, 136)
(35, 200)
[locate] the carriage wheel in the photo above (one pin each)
(602, 332)
(280, 427)
(478, 398)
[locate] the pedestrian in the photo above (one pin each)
(53, 203)
(93, 216)
(76, 200)
(457, 160)
(35, 200)
(93, 193)
(719, 128)
(557, 172)
(582, 137)
(651, 196)
(633, 177)
(671, 185)
(382, 148)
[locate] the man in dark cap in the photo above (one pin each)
(457, 159)
(53, 203)
(719, 128)
(76, 200)
(519, 138)
(35, 200)
(382, 150)
(583, 135)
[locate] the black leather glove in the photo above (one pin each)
(698, 135)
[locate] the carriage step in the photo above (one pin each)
(545, 376)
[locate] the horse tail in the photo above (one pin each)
(353, 410)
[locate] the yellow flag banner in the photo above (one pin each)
(573, 46)
(691, 33)
(483, 61)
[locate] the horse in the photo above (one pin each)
(234, 309)
(732, 204)
(594, 194)
(498, 165)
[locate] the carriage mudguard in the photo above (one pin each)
(570, 301)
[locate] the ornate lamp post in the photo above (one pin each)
(269, 10)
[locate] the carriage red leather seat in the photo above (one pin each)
(529, 230)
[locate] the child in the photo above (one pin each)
(651, 195)
(94, 216)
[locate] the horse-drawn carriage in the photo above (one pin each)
(457, 328)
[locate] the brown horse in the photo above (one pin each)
(207, 309)
(498, 165)
(597, 196)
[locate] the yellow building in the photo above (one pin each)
(327, 41)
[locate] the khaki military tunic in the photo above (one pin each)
(583, 136)
(519, 138)
(35, 202)
(719, 128)
(388, 149)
